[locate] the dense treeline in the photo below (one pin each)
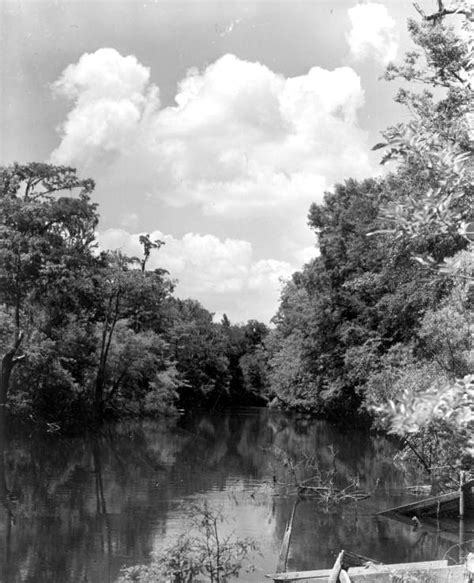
(382, 320)
(89, 334)
(379, 324)
(360, 305)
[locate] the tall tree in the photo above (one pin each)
(125, 294)
(198, 346)
(436, 148)
(44, 236)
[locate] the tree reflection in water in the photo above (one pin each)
(78, 509)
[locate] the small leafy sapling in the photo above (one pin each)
(203, 555)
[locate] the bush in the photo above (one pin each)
(194, 558)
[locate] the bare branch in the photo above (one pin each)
(420, 11)
(442, 12)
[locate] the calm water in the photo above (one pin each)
(77, 510)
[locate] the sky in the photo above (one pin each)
(212, 126)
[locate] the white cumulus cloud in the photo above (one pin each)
(241, 144)
(373, 33)
(241, 139)
(222, 274)
(111, 95)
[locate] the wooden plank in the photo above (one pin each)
(355, 560)
(285, 545)
(334, 574)
(468, 490)
(421, 504)
(356, 571)
(452, 574)
(447, 574)
(427, 503)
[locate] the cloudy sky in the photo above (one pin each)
(210, 125)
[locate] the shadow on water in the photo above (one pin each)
(79, 509)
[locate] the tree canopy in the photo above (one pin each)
(88, 333)
(382, 320)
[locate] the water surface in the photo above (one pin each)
(79, 509)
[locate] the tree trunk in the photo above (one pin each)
(8, 363)
(108, 332)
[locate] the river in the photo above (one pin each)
(79, 509)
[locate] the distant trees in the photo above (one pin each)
(245, 347)
(96, 333)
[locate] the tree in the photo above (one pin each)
(198, 346)
(125, 295)
(436, 144)
(141, 376)
(202, 552)
(63, 302)
(436, 148)
(254, 368)
(347, 307)
(148, 245)
(247, 357)
(44, 238)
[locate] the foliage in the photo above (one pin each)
(89, 335)
(446, 333)
(443, 412)
(437, 142)
(382, 319)
(437, 145)
(206, 553)
(414, 392)
(254, 368)
(199, 349)
(348, 307)
(46, 244)
(290, 382)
